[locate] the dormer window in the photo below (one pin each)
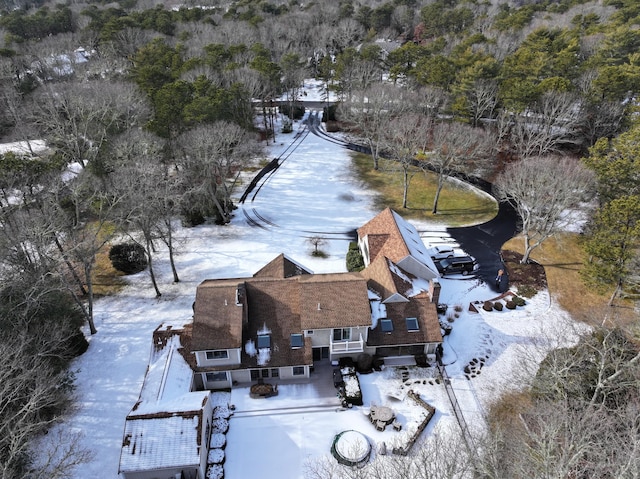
(386, 325)
(264, 341)
(296, 341)
(412, 324)
(220, 354)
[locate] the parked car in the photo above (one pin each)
(457, 265)
(441, 252)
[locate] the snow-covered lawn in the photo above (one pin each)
(313, 193)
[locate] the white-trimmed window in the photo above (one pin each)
(219, 354)
(342, 334)
(298, 370)
(214, 377)
(412, 324)
(296, 341)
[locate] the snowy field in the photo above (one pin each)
(313, 193)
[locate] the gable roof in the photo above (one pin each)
(280, 305)
(281, 267)
(381, 278)
(274, 308)
(390, 235)
(334, 300)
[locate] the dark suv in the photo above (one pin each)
(459, 265)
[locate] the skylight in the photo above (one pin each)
(412, 324)
(264, 341)
(386, 325)
(296, 341)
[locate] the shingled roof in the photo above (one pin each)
(382, 280)
(281, 267)
(388, 234)
(217, 319)
(419, 307)
(280, 305)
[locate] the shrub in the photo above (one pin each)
(519, 301)
(192, 217)
(457, 308)
(511, 305)
(355, 261)
(129, 258)
(329, 113)
(497, 306)
(527, 291)
(295, 112)
(287, 126)
(487, 306)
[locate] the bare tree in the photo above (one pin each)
(369, 111)
(440, 455)
(77, 118)
(457, 148)
(483, 100)
(60, 456)
(543, 190)
(574, 421)
(317, 242)
(83, 228)
(213, 158)
(405, 137)
(142, 181)
(45, 224)
(40, 331)
(601, 120)
(551, 124)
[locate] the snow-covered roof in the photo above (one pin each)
(415, 245)
(163, 429)
(161, 442)
(168, 377)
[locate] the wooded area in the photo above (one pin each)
(149, 112)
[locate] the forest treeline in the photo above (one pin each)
(140, 114)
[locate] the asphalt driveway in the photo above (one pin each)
(484, 242)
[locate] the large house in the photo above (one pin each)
(277, 323)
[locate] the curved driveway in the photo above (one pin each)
(482, 241)
(485, 240)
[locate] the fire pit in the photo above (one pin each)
(263, 390)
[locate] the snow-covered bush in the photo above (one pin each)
(215, 471)
(222, 411)
(220, 426)
(216, 456)
(218, 440)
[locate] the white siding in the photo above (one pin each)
(232, 359)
